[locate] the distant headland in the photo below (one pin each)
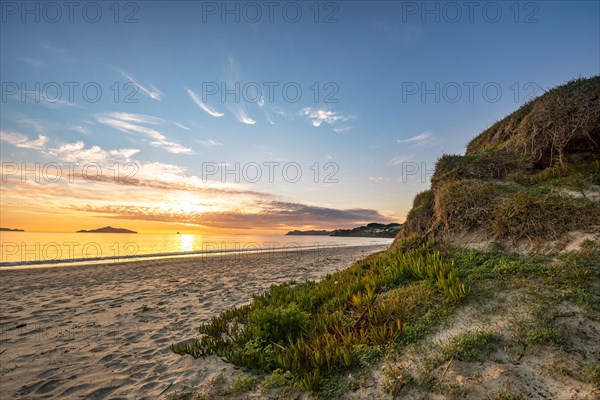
(371, 230)
(107, 229)
(11, 230)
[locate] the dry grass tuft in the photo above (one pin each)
(465, 205)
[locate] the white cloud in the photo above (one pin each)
(242, 117)
(22, 141)
(210, 143)
(378, 179)
(129, 123)
(125, 153)
(416, 139)
(204, 106)
(138, 118)
(231, 77)
(153, 92)
(318, 116)
(181, 126)
(77, 152)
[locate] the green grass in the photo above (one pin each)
(470, 345)
(242, 384)
(278, 379)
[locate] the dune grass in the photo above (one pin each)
(315, 329)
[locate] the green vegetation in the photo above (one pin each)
(465, 204)
(487, 165)
(542, 215)
(535, 211)
(314, 330)
(278, 379)
(420, 216)
(544, 285)
(242, 384)
(470, 345)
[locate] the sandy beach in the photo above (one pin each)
(103, 331)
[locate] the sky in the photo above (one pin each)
(262, 117)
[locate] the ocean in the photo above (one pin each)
(33, 249)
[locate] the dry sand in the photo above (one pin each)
(103, 331)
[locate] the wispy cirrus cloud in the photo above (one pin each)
(418, 138)
(422, 139)
(231, 78)
(137, 124)
(210, 111)
(20, 140)
(150, 90)
(244, 118)
(209, 142)
(177, 124)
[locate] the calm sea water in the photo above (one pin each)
(42, 249)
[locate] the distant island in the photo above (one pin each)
(107, 229)
(11, 230)
(371, 230)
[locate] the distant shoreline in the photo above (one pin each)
(374, 230)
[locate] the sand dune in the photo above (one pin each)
(103, 331)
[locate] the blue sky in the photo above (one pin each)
(373, 58)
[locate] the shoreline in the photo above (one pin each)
(120, 260)
(103, 330)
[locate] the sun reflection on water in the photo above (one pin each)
(187, 242)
